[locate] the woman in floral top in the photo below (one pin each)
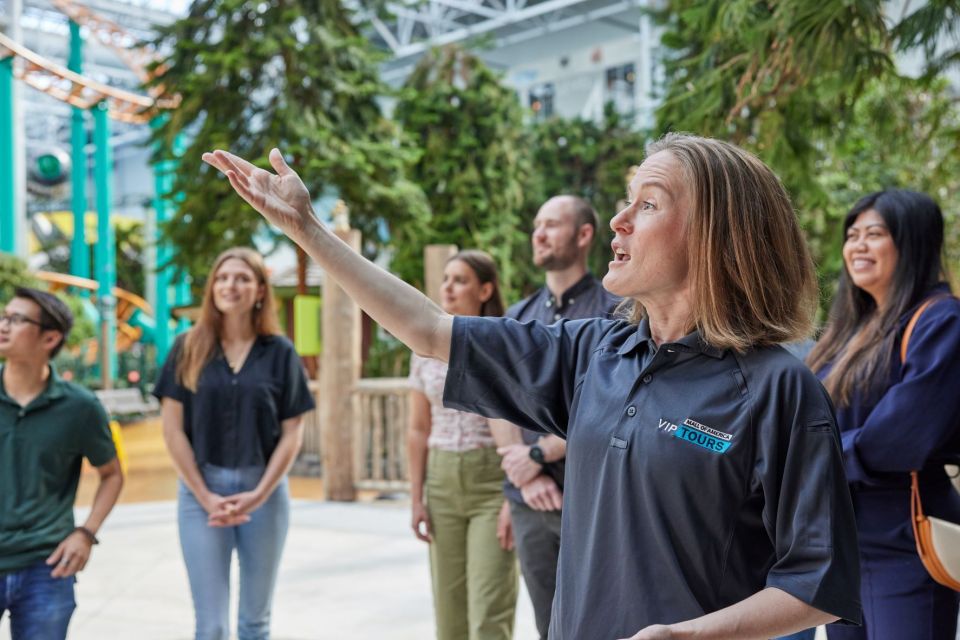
(457, 484)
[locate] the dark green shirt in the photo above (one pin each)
(42, 447)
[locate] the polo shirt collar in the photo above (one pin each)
(690, 343)
(53, 391)
(568, 296)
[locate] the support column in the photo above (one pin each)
(163, 183)
(339, 372)
(79, 252)
(435, 258)
(106, 247)
(183, 299)
(8, 196)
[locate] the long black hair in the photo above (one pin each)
(859, 338)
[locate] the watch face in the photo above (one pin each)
(536, 454)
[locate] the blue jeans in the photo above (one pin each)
(208, 553)
(808, 634)
(40, 606)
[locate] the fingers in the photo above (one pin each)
(56, 555)
(236, 163)
(279, 164)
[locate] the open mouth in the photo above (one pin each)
(619, 255)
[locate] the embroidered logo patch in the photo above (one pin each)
(699, 434)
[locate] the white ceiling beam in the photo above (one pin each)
(480, 28)
(471, 6)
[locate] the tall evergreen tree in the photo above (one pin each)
(294, 74)
(812, 88)
(475, 165)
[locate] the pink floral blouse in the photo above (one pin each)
(450, 430)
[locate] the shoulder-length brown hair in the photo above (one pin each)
(201, 342)
(859, 339)
(752, 278)
(485, 267)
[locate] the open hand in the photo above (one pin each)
(281, 198)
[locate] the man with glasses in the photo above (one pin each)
(47, 427)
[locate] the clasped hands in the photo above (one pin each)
(229, 511)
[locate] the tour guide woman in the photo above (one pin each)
(705, 489)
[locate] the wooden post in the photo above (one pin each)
(435, 257)
(339, 372)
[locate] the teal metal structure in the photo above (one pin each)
(8, 195)
(163, 173)
(79, 252)
(106, 264)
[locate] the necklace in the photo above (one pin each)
(237, 362)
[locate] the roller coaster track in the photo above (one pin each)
(111, 35)
(79, 91)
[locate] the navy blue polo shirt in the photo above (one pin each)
(234, 419)
(585, 299)
(696, 477)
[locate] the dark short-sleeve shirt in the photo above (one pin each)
(695, 478)
(585, 299)
(909, 421)
(234, 419)
(42, 447)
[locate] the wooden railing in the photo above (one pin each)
(380, 408)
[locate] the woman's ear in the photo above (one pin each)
(486, 291)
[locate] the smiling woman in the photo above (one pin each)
(895, 417)
(704, 493)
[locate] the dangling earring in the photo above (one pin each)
(259, 305)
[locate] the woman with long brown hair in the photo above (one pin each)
(456, 483)
(704, 494)
(895, 417)
(233, 393)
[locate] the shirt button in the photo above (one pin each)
(22, 412)
(233, 382)
(556, 316)
(647, 378)
(631, 411)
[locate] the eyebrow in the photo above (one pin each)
(879, 225)
(651, 183)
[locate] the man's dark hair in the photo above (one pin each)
(583, 213)
(55, 315)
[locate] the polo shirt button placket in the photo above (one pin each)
(631, 411)
(647, 378)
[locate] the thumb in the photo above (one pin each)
(279, 164)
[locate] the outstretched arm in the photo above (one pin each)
(284, 201)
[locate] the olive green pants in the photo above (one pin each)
(474, 580)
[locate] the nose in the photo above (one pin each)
(622, 222)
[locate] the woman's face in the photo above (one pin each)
(870, 255)
(462, 293)
(235, 288)
(650, 248)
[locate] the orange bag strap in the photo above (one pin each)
(913, 323)
(916, 507)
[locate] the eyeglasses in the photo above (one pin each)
(18, 319)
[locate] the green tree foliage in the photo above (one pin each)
(474, 167)
(294, 74)
(811, 87)
(592, 160)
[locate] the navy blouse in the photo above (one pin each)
(234, 419)
(912, 422)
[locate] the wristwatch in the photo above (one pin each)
(536, 454)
